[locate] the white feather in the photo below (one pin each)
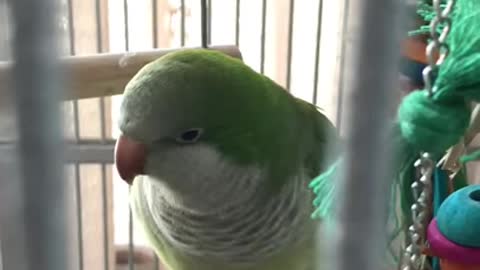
(232, 222)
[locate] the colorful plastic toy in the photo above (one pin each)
(454, 235)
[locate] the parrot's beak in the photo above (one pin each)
(130, 157)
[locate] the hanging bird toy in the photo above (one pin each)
(440, 212)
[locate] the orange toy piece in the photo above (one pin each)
(449, 265)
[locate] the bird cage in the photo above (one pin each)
(62, 204)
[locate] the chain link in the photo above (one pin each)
(437, 42)
(421, 209)
(413, 259)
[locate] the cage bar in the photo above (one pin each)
(78, 197)
(155, 23)
(76, 152)
(103, 139)
(204, 23)
(209, 22)
(237, 23)
(106, 74)
(35, 225)
(76, 131)
(375, 38)
(126, 25)
(317, 52)
(291, 14)
(263, 37)
(105, 216)
(182, 23)
(131, 246)
(341, 86)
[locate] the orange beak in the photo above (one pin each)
(130, 158)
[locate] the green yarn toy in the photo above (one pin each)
(432, 124)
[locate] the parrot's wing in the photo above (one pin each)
(323, 143)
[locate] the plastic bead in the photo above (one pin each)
(450, 251)
(454, 235)
(458, 217)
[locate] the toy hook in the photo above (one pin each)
(450, 161)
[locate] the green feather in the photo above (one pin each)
(274, 130)
(247, 117)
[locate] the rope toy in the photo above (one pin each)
(427, 121)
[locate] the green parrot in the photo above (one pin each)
(219, 158)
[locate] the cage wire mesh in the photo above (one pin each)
(296, 43)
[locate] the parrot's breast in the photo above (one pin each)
(243, 234)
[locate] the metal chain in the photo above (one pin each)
(421, 208)
(422, 187)
(437, 42)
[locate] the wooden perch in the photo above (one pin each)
(102, 75)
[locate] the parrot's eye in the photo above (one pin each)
(190, 135)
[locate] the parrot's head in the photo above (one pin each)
(200, 124)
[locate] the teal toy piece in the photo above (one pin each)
(440, 189)
(440, 193)
(458, 218)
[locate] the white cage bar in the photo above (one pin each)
(96, 74)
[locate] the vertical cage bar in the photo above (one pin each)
(78, 186)
(204, 23)
(98, 22)
(71, 28)
(104, 189)
(262, 42)
(4, 31)
(105, 215)
(103, 137)
(76, 131)
(317, 52)
(99, 37)
(365, 183)
(78, 195)
(290, 43)
(209, 22)
(237, 22)
(156, 264)
(36, 238)
(126, 30)
(341, 85)
(155, 23)
(1, 263)
(131, 246)
(182, 23)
